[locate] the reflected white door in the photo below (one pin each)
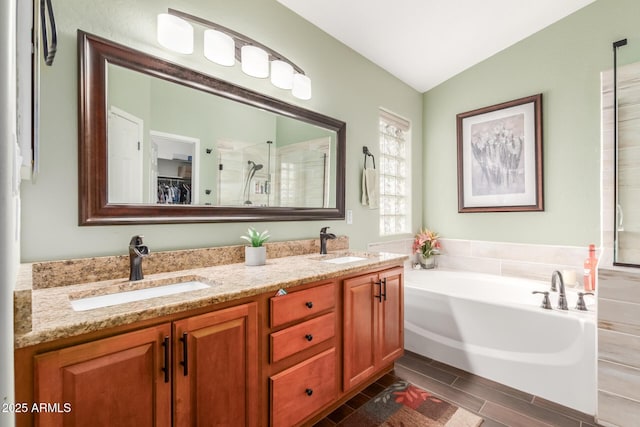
(124, 152)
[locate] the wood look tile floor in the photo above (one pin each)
(497, 404)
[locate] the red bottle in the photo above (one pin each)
(590, 270)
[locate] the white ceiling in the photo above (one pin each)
(425, 42)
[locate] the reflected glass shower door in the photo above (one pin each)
(300, 167)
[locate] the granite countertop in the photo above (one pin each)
(54, 318)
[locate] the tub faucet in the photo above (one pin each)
(324, 236)
(562, 296)
(137, 251)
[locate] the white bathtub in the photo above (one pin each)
(494, 327)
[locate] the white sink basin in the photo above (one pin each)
(344, 259)
(90, 303)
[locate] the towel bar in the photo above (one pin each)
(366, 152)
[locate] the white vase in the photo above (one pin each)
(255, 255)
(427, 262)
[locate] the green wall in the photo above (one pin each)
(563, 62)
(345, 86)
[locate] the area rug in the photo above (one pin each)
(403, 404)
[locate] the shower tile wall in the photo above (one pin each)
(628, 217)
(618, 347)
(618, 287)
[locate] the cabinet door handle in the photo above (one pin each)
(309, 304)
(379, 296)
(165, 367)
(309, 337)
(309, 392)
(185, 354)
(384, 284)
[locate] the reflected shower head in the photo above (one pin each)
(252, 171)
(254, 166)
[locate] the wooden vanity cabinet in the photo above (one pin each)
(112, 381)
(373, 324)
(265, 361)
(210, 361)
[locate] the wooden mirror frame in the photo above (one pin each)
(94, 208)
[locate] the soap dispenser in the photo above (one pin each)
(590, 269)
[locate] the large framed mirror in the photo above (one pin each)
(161, 143)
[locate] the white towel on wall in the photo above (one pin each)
(370, 194)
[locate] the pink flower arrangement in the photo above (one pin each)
(426, 243)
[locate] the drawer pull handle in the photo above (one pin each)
(309, 304)
(309, 392)
(309, 337)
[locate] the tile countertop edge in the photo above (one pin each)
(53, 317)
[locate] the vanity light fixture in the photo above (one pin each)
(224, 46)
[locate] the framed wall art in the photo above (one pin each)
(500, 157)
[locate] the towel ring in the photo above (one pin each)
(367, 153)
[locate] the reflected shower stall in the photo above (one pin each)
(268, 174)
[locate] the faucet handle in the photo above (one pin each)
(546, 304)
(581, 305)
(136, 240)
(324, 229)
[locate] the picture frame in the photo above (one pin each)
(500, 157)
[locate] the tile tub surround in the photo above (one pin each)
(522, 260)
(53, 318)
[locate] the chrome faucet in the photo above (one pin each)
(562, 296)
(324, 236)
(137, 251)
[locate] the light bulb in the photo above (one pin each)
(255, 61)
(219, 48)
(281, 74)
(175, 33)
(301, 86)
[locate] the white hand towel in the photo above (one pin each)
(370, 194)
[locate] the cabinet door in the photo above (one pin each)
(391, 333)
(360, 326)
(216, 368)
(117, 381)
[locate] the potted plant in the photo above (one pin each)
(256, 254)
(427, 246)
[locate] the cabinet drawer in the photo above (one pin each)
(302, 336)
(303, 389)
(298, 305)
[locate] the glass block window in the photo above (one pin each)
(395, 175)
